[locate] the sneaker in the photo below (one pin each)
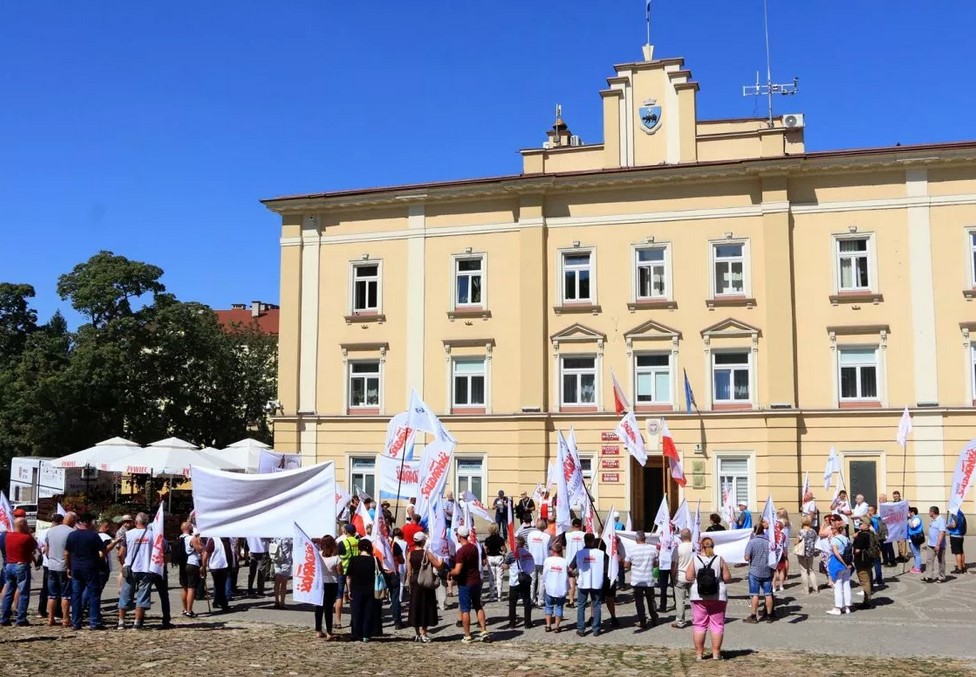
(834, 612)
(120, 626)
(769, 618)
(580, 633)
(597, 632)
(751, 619)
(425, 639)
(915, 570)
(485, 637)
(847, 610)
(137, 626)
(467, 639)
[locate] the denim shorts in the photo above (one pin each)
(469, 598)
(554, 606)
(58, 585)
(136, 592)
(757, 584)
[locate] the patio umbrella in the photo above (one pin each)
(169, 457)
(99, 455)
(246, 453)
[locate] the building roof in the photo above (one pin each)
(241, 315)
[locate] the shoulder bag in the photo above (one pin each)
(379, 582)
(127, 568)
(427, 578)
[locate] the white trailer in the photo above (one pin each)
(33, 478)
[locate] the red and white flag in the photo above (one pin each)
(587, 518)
(157, 560)
(6, 514)
(308, 583)
(667, 443)
(476, 507)
(342, 498)
(380, 536)
(610, 538)
(511, 527)
(564, 460)
(361, 520)
(696, 528)
(728, 505)
(629, 433)
(620, 403)
(677, 473)
(962, 477)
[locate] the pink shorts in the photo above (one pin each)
(709, 615)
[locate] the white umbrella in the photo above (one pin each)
(245, 454)
(171, 456)
(249, 443)
(99, 455)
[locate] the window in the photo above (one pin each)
(972, 369)
(734, 471)
(653, 378)
(365, 287)
(730, 373)
(853, 264)
(468, 281)
(470, 474)
(362, 475)
(364, 384)
(469, 382)
(729, 268)
(972, 257)
(651, 273)
(858, 373)
(576, 277)
(579, 380)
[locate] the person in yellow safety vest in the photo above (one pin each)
(348, 545)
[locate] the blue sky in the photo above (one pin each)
(153, 129)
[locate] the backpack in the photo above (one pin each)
(847, 554)
(706, 579)
(178, 556)
(958, 523)
(882, 530)
(874, 549)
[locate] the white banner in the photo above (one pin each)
(435, 464)
(265, 506)
(399, 437)
(895, 516)
(272, 461)
(609, 537)
(730, 545)
(395, 473)
(629, 433)
(962, 478)
(6, 514)
(157, 560)
(308, 583)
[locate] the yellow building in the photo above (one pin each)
(809, 297)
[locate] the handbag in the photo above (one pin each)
(524, 578)
(799, 549)
(427, 578)
(379, 584)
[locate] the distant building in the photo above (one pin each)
(261, 315)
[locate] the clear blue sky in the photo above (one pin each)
(152, 129)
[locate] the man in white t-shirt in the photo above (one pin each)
(555, 573)
(537, 541)
(809, 509)
(642, 560)
(588, 569)
(574, 543)
(136, 554)
(860, 508)
(679, 575)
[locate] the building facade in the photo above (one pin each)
(809, 297)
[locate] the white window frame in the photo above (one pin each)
(872, 255)
(749, 478)
(352, 458)
(858, 366)
(353, 267)
(484, 374)
(456, 260)
(746, 258)
(971, 252)
(589, 477)
(561, 269)
(840, 256)
(652, 370)
(349, 378)
(579, 372)
(972, 372)
(749, 368)
(636, 265)
(458, 491)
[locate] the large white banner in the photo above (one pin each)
(895, 516)
(395, 473)
(265, 506)
(731, 545)
(272, 461)
(962, 478)
(308, 584)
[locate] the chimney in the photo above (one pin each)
(559, 135)
(238, 306)
(256, 308)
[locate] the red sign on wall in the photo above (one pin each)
(610, 477)
(610, 464)
(609, 437)
(610, 450)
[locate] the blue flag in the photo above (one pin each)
(689, 396)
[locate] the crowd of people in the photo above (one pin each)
(547, 570)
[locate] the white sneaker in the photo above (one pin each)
(860, 593)
(834, 612)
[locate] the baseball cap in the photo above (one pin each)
(463, 532)
(419, 537)
(350, 529)
(127, 518)
(20, 512)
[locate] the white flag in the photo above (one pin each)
(629, 433)
(60, 510)
(806, 483)
(399, 438)
(308, 583)
(476, 507)
(895, 516)
(577, 490)
(663, 517)
(564, 461)
(904, 428)
(769, 511)
(682, 517)
(568, 464)
(610, 538)
(437, 524)
(833, 466)
(380, 537)
(342, 498)
(157, 560)
(696, 529)
(962, 477)
(728, 504)
(777, 539)
(422, 418)
(6, 514)
(628, 525)
(435, 464)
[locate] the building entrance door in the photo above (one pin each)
(864, 479)
(648, 487)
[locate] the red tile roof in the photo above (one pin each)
(266, 321)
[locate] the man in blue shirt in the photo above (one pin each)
(84, 551)
(760, 573)
(936, 545)
(957, 530)
(744, 520)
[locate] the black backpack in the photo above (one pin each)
(178, 556)
(847, 554)
(706, 579)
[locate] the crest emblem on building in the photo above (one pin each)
(650, 116)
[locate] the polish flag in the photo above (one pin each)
(620, 402)
(511, 527)
(361, 520)
(667, 444)
(677, 473)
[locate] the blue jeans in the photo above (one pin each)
(17, 577)
(597, 597)
(86, 587)
(916, 553)
(878, 575)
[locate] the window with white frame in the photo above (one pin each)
(733, 471)
(468, 281)
(578, 380)
(577, 276)
(858, 373)
(730, 376)
(470, 476)
(853, 264)
(652, 378)
(364, 383)
(972, 369)
(651, 263)
(470, 379)
(972, 257)
(729, 261)
(362, 474)
(365, 287)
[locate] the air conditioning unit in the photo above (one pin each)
(793, 120)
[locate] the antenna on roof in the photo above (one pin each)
(769, 88)
(648, 48)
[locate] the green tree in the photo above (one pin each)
(104, 286)
(17, 319)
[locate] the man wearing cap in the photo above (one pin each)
(865, 542)
(59, 587)
(467, 573)
(744, 520)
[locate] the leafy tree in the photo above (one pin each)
(104, 286)
(17, 319)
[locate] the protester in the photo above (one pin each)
(760, 573)
(84, 551)
(588, 569)
(59, 587)
(501, 511)
(841, 507)
(865, 549)
(715, 523)
(330, 579)
(880, 530)
(467, 573)
(744, 520)
(412, 527)
(887, 549)
(360, 582)
(19, 549)
(824, 535)
(682, 586)
(609, 586)
(916, 538)
(956, 528)
(348, 547)
(258, 564)
(806, 550)
(399, 579)
(641, 560)
(555, 573)
(423, 601)
(936, 547)
(136, 554)
(126, 522)
(781, 531)
(524, 509)
(537, 541)
(859, 509)
(495, 549)
(216, 559)
(904, 551)
(574, 543)
(709, 575)
(809, 508)
(41, 538)
(281, 560)
(838, 569)
(105, 569)
(520, 565)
